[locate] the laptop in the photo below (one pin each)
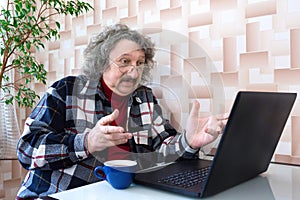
(245, 150)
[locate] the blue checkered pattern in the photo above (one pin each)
(52, 144)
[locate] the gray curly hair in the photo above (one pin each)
(96, 55)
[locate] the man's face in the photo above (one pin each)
(126, 67)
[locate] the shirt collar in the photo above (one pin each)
(93, 87)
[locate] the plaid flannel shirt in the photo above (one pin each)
(52, 146)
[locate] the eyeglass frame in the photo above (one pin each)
(137, 67)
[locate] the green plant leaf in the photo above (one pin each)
(24, 26)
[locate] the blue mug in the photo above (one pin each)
(118, 173)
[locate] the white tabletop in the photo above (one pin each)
(279, 182)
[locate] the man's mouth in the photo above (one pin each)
(129, 81)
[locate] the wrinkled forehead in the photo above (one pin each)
(126, 47)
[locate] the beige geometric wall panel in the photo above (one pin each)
(10, 179)
(295, 48)
(206, 50)
(295, 136)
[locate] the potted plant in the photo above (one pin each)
(25, 25)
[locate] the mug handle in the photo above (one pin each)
(99, 175)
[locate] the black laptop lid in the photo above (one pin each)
(253, 130)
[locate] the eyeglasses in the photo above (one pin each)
(125, 68)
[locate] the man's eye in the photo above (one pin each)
(124, 61)
(141, 63)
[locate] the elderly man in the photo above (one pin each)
(104, 114)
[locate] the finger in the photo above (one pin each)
(118, 136)
(116, 142)
(222, 116)
(195, 109)
(221, 124)
(213, 131)
(106, 120)
(222, 121)
(111, 129)
(213, 126)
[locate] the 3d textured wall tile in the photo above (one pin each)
(202, 46)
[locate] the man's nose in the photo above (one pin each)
(133, 70)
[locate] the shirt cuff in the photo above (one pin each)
(80, 148)
(185, 145)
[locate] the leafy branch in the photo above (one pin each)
(25, 26)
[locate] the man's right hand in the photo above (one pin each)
(104, 135)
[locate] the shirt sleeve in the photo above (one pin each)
(45, 144)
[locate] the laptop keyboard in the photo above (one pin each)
(187, 178)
